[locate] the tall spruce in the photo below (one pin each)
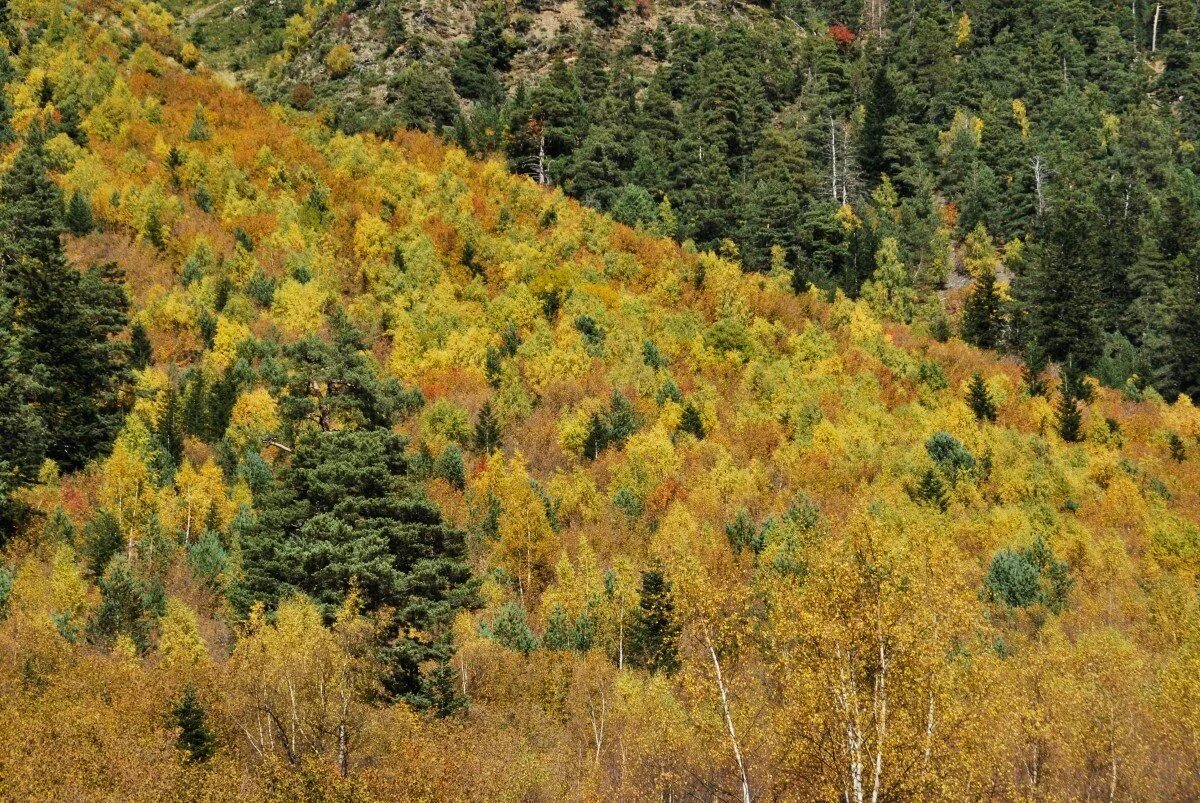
(348, 510)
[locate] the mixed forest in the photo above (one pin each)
(599, 401)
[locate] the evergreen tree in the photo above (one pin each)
(445, 693)
(690, 421)
(932, 490)
(487, 430)
(604, 13)
(332, 383)
(349, 509)
(980, 399)
(983, 316)
(653, 643)
(199, 131)
(1070, 419)
(450, 467)
(141, 353)
(23, 437)
(122, 610)
(511, 629)
(79, 219)
(65, 321)
(189, 717)
(7, 134)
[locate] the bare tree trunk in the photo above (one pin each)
(1037, 183)
(1154, 34)
(541, 160)
(881, 714)
(737, 751)
(598, 724)
(833, 157)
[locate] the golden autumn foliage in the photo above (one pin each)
(834, 524)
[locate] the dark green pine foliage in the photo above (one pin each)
(100, 542)
(1070, 418)
(141, 353)
(450, 467)
(653, 643)
(123, 607)
(932, 491)
(348, 509)
(487, 434)
(1058, 297)
(980, 399)
(511, 629)
(983, 314)
(332, 383)
(22, 433)
(65, 321)
(79, 220)
(690, 421)
(1020, 578)
(446, 695)
(1181, 363)
(7, 134)
(612, 427)
(194, 737)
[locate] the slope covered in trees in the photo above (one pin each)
(1061, 135)
(430, 483)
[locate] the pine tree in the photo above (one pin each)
(189, 717)
(932, 490)
(122, 610)
(79, 219)
(653, 644)
(349, 508)
(141, 353)
(450, 467)
(199, 131)
(980, 399)
(1032, 369)
(690, 421)
(7, 134)
(1070, 419)
(445, 693)
(511, 629)
(332, 382)
(487, 430)
(983, 315)
(65, 321)
(23, 437)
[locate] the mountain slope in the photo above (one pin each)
(724, 536)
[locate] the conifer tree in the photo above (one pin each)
(79, 219)
(980, 399)
(7, 134)
(1070, 419)
(194, 737)
(487, 430)
(22, 433)
(932, 490)
(65, 321)
(690, 422)
(653, 644)
(982, 318)
(141, 353)
(122, 610)
(348, 510)
(199, 131)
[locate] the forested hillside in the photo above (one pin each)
(349, 467)
(1062, 133)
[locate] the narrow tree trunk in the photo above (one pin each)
(833, 155)
(1154, 34)
(737, 751)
